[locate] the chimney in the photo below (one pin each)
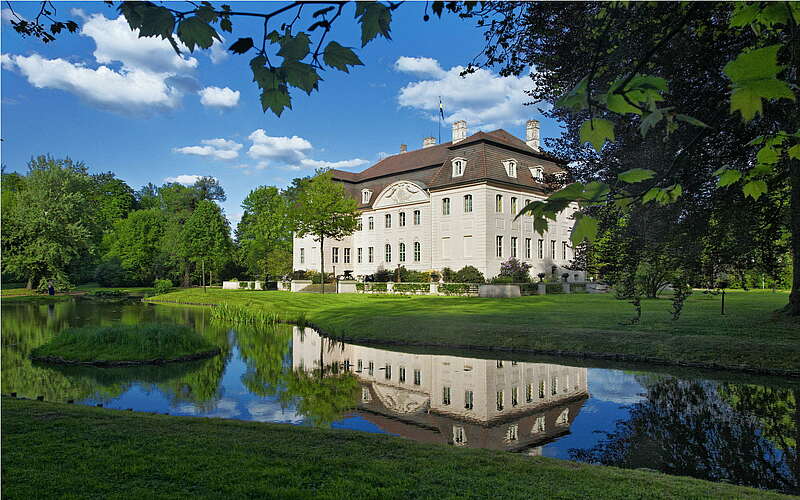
(428, 142)
(403, 148)
(459, 131)
(532, 134)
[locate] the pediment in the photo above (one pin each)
(401, 193)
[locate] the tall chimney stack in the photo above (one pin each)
(403, 148)
(428, 142)
(459, 131)
(532, 134)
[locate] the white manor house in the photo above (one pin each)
(450, 205)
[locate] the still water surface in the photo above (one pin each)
(739, 432)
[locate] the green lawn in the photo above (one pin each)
(748, 336)
(56, 450)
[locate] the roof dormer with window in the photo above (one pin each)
(459, 166)
(511, 167)
(537, 173)
(366, 194)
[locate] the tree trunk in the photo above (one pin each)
(793, 308)
(322, 262)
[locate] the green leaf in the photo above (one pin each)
(194, 32)
(596, 191)
(226, 25)
(754, 189)
(339, 57)
(675, 193)
(794, 152)
(275, 100)
(655, 193)
(744, 13)
(375, 19)
(690, 120)
(242, 45)
(635, 175)
(753, 75)
(767, 154)
(647, 82)
(571, 192)
(618, 104)
(597, 131)
(295, 48)
(585, 228)
(576, 99)
(728, 177)
(301, 75)
(759, 170)
(156, 21)
(649, 121)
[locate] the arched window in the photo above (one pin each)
(467, 203)
(445, 206)
(459, 165)
(388, 253)
(388, 219)
(417, 217)
(498, 203)
(371, 223)
(366, 194)
(402, 252)
(417, 251)
(511, 167)
(402, 221)
(537, 173)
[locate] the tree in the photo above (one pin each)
(324, 210)
(607, 68)
(114, 198)
(209, 188)
(264, 233)
(136, 241)
(206, 238)
(49, 222)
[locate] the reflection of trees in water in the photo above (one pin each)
(697, 429)
(322, 395)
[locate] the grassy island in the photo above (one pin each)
(125, 344)
(749, 337)
(117, 454)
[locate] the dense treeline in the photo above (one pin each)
(64, 224)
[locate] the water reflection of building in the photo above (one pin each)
(448, 399)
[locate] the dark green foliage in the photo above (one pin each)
(381, 275)
(456, 288)
(469, 274)
(448, 275)
(516, 270)
(411, 287)
(60, 282)
(141, 342)
(162, 286)
(110, 273)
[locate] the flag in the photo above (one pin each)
(441, 108)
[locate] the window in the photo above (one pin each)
(498, 203)
(499, 400)
(527, 248)
(388, 253)
(445, 206)
(554, 386)
(458, 166)
(459, 438)
(542, 389)
(445, 396)
(514, 246)
(511, 167)
(388, 372)
(514, 396)
(540, 249)
(365, 395)
(528, 202)
(402, 252)
(387, 221)
(417, 251)
(446, 248)
(499, 363)
(563, 419)
(468, 245)
(360, 255)
(417, 217)
(346, 255)
(537, 173)
(529, 393)
(371, 255)
(360, 224)
(512, 433)
(417, 377)
(467, 203)
(468, 397)
(360, 366)
(402, 374)
(371, 368)
(402, 221)
(513, 205)
(553, 248)
(366, 194)
(371, 223)
(335, 256)
(564, 250)
(538, 426)
(302, 255)
(499, 246)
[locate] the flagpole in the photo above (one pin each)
(441, 113)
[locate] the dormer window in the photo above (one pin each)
(459, 165)
(366, 194)
(511, 167)
(537, 173)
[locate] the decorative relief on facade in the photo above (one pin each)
(401, 193)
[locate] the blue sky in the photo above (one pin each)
(133, 107)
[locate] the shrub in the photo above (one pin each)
(407, 276)
(298, 275)
(454, 288)
(162, 286)
(60, 283)
(411, 287)
(554, 288)
(435, 276)
(382, 275)
(448, 275)
(515, 269)
(541, 276)
(502, 280)
(110, 273)
(565, 276)
(243, 285)
(469, 274)
(378, 287)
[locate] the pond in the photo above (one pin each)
(713, 426)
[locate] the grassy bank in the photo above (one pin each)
(124, 343)
(748, 336)
(55, 450)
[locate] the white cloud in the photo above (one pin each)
(220, 149)
(277, 149)
(218, 52)
(219, 97)
(150, 76)
(356, 162)
(185, 179)
(484, 99)
(423, 66)
(8, 16)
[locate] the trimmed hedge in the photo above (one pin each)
(412, 287)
